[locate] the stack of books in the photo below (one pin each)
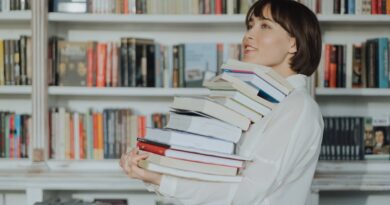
(202, 133)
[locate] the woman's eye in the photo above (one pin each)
(264, 26)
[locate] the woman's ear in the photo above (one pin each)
(293, 46)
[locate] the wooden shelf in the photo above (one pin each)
(14, 164)
(16, 16)
(18, 90)
(352, 92)
(126, 92)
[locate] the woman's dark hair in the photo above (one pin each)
(301, 23)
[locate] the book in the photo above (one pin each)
(72, 63)
(234, 105)
(186, 174)
(211, 108)
(206, 126)
(244, 100)
(265, 90)
(189, 156)
(184, 139)
(190, 165)
(227, 82)
(195, 150)
(266, 73)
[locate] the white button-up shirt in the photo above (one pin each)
(284, 145)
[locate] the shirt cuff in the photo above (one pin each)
(168, 185)
(151, 187)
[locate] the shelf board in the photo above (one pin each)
(15, 16)
(14, 164)
(145, 18)
(201, 19)
(126, 92)
(358, 19)
(356, 175)
(19, 90)
(352, 92)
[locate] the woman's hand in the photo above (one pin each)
(129, 164)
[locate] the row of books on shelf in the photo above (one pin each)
(16, 61)
(15, 132)
(356, 138)
(135, 62)
(151, 6)
(360, 65)
(201, 138)
(96, 135)
(350, 7)
(14, 5)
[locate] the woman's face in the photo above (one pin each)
(267, 43)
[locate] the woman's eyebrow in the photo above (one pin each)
(266, 19)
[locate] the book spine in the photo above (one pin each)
(2, 63)
(102, 59)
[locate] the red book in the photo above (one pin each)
(333, 68)
(102, 58)
(218, 6)
(328, 50)
(374, 6)
(151, 148)
(115, 67)
(95, 135)
(90, 65)
(81, 139)
(387, 6)
(125, 7)
(141, 126)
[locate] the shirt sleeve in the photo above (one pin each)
(189, 191)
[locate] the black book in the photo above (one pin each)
(124, 63)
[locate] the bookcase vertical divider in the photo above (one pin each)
(39, 138)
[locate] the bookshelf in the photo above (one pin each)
(105, 175)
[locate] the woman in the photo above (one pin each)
(284, 35)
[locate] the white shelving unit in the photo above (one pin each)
(35, 179)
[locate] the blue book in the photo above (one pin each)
(17, 136)
(383, 68)
(351, 6)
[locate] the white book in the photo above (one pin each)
(204, 126)
(227, 82)
(241, 98)
(259, 83)
(327, 7)
(209, 107)
(186, 174)
(233, 105)
(358, 7)
(192, 166)
(264, 72)
(171, 137)
(203, 158)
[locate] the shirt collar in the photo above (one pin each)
(297, 80)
